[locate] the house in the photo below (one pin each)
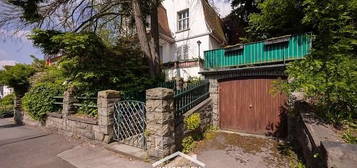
(5, 90)
(187, 28)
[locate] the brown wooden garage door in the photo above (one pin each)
(246, 105)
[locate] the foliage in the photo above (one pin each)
(7, 106)
(193, 121)
(188, 144)
(243, 8)
(39, 100)
(349, 137)
(276, 18)
(17, 77)
(88, 107)
(210, 132)
(327, 75)
(91, 65)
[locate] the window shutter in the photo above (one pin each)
(185, 52)
(178, 53)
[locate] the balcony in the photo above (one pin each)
(271, 51)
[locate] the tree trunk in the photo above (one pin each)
(149, 47)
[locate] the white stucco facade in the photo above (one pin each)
(4, 91)
(198, 30)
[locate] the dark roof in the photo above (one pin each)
(213, 21)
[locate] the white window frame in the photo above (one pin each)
(183, 20)
(182, 52)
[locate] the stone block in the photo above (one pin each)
(340, 155)
(159, 94)
(106, 94)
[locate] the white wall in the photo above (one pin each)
(5, 91)
(198, 31)
(197, 28)
(184, 73)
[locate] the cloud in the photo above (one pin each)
(223, 6)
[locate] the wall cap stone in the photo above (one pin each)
(87, 121)
(55, 115)
(109, 94)
(340, 154)
(159, 93)
(197, 107)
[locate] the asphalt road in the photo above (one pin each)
(26, 147)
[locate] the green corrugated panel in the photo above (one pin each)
(255, 53)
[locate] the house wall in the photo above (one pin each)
(184, 73)
(198, 31)
(5, 90)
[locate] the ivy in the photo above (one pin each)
(39, 100)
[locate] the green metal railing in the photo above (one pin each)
(59, 101)
(187, 98)
(168, 84)
(273, 50)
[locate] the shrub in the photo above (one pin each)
(39, 100)
(188, 144)
(7, 106)
(193, 121)
(349, 137)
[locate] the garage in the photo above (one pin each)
(246, 105)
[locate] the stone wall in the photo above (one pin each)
(160, 135)
(205, 110)
(74, 127)
(99, 129)
(319, 144)
(165, 130)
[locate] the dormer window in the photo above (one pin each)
(183, 20)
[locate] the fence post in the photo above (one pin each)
(106, 107)
(68, 100)
(214, 94)
(160, 126)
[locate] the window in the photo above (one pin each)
(182, 52)
(183, 20)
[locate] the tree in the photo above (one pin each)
(328, 75)
(88, 16)
(243, 8)
(276, 18)
(17, 77)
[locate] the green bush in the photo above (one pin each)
(188, 144)
(7, 106)
(193, 121)
(39, 100)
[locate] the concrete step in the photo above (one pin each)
(128, 150)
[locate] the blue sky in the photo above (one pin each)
(16, 47)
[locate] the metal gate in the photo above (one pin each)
(130, 123)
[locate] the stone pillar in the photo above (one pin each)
(160, 125)
(18, 114)
(106, 107)
(214, 94)
(68, 101)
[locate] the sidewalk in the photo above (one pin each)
(27, 147)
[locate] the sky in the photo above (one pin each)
(17, 48)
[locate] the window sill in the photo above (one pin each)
(182, 31)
